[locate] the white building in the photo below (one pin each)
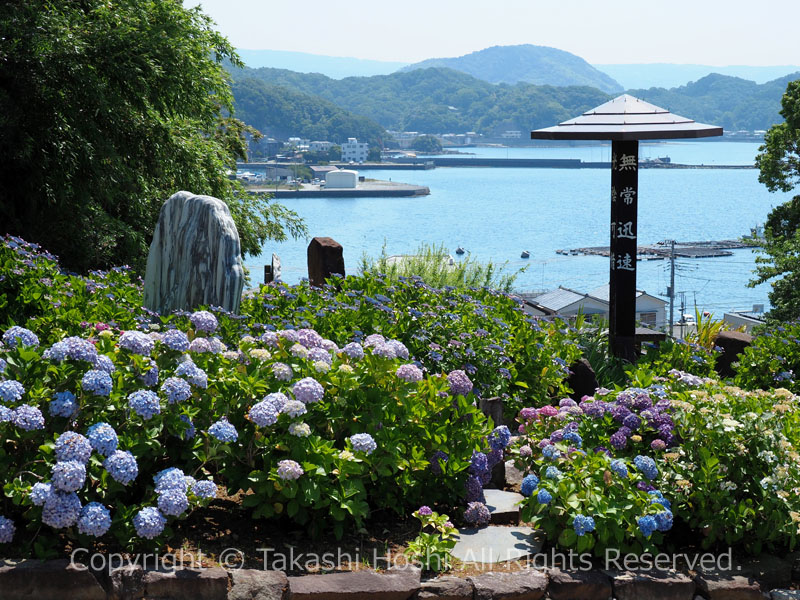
(650, 311)
(320, 146)
(354, 151)
(343, 178)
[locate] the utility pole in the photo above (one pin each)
(671, 291)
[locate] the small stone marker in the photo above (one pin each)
(272, 272)
(325, 258)
(503, 506)
(195, 257)
(494, 544)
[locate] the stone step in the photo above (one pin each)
(495, 544)
(503, 506)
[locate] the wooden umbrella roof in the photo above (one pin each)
(627, 118)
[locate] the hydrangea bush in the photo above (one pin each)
(772, 360)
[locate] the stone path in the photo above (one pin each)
(503, 506)
(494, 544)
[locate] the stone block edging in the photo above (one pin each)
(58, 579)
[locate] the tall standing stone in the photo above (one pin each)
(195, 257)
(325, 258)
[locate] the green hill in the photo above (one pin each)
(526, 63)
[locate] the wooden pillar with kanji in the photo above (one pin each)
(622, 282)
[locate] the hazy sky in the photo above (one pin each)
(714, 32)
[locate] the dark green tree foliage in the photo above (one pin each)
(283, 112)
(108, 107)
(427, 143)
(779, 165)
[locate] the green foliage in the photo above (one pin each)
(109, 108)
(427, 143)
(772, 360)
(434, 265)
(706, 330)
(527, 63)
(779, 166)
(594, 343)
(431, 550)
(679, 355)
(281, 112)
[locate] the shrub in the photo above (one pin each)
(772, 360)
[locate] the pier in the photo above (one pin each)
(710, 249)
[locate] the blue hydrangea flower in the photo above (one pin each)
(619, 467)
(175, 339)
(11, 390)
(289, 470)
(97, 382)
(122, 467)
(551, 452)
(3, 365)
(149, 523)
(544, 497)
(460, 384)
(573, 438)
(16, 334)
(479, 463)
(170, 479)
(282, 372)
(658, 498)
(69, 475)
(137, 342)
(7, 530)
(150, 377)
(647, 466)
(28, 418)
(354, 350)
(529, 485)
(61, 509)
(205, 489)
(632, 422)
(499, 438)
(72, 347)
(363, 442)
(647, 525)
(40, 492)
(664, 520)
(173, 502)
(144, 403)
(5, 414)
(193, 374)
(176, 389)
(103, 438)
(103, 363)
(264, 413)
(189, 432)
(320, 354)
(308, 390)
(552, 473)
(583, 524)
(63, 404)
(202, 320)
(94, 520)
(477, 514)
(73, 446)
(223, 431)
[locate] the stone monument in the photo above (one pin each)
(195, 257)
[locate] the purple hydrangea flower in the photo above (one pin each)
(309, 338)
(499, 438)
(436, 467)
(479, 463)
(477, 514)
(7, 530)
(122, 467)
(202, 320)
(136, 342)
(618, 440)
(474, 488)
(460, 384)
(308, 390)
(104, 363)
(282, 372)
(354, 350)
(200, 345)
(289, 470)
(409, 373)
(363, 442)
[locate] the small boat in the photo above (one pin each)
(525, 254)
(459, 250)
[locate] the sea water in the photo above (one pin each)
(496, 213)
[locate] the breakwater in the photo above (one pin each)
(549, 163)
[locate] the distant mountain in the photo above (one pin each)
(526, 63)
(731, 102)
(333, 66)
(281, 112)
(438, 100)
(665, 75)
